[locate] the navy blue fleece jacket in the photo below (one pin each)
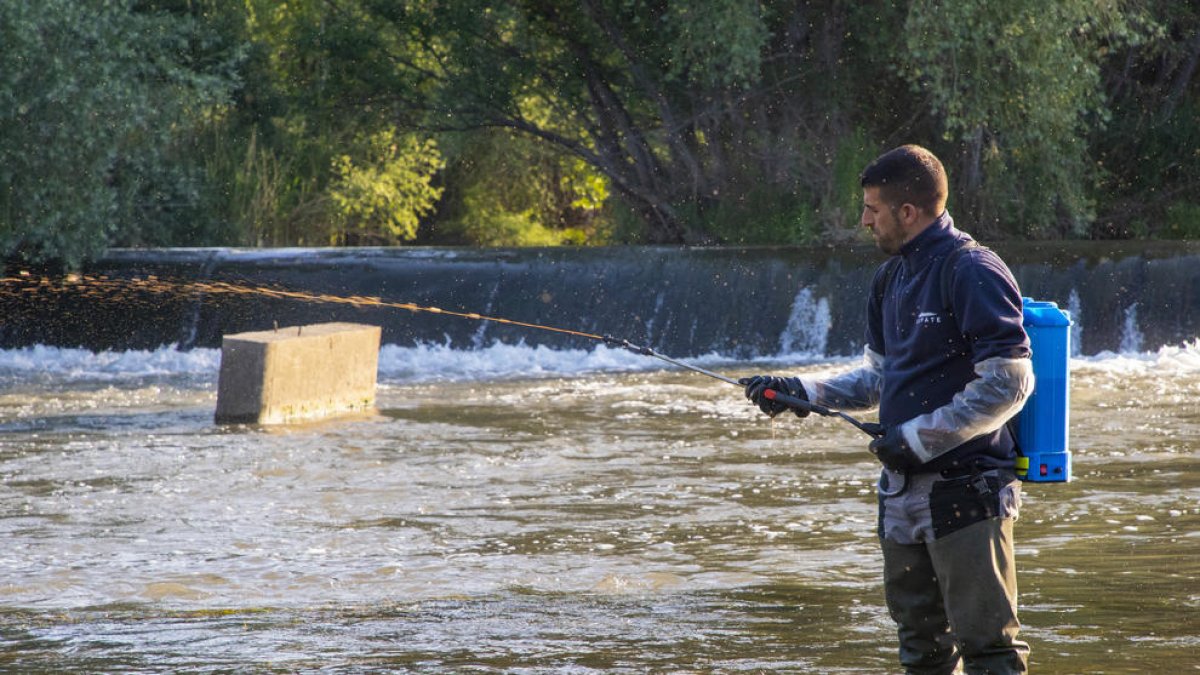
(949, 371)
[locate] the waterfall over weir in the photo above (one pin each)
(738, 302)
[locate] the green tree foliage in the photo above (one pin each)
(270, 158)
(506, 189)
(692, 111)
(1017, 85)
(1148, 157)
(736, 121)
(533, 122)
(382, 200)
(297, 165)
(96, 102)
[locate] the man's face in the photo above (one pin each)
(883, 220)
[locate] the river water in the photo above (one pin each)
(521, 509)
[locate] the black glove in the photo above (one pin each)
(894, 452)
(755, 386)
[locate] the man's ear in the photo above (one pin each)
(909, 214)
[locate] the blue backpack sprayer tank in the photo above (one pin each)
(1042, 426)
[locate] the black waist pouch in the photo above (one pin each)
(960, 502)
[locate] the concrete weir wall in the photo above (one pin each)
(736, 302)
(297, 373)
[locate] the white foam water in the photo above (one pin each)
(1168, 360)
(807, 330)
(70, 365)
(434, 362)
(1131, 335)
(1075, 310)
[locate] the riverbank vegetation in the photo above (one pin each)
(481, 122)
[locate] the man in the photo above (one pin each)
(947, 363)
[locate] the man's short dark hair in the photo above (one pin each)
(909, 174)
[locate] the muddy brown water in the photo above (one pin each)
(605, 522)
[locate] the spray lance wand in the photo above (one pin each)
(871, 430)
(771, 394)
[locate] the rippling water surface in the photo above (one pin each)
(559, 513)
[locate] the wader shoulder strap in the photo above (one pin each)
(884, 279)
(947, 279)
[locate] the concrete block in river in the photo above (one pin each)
(297, 373)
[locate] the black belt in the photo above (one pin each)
(972, 469)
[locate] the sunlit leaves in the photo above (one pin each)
(381, 198)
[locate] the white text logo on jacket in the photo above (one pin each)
(929, 319)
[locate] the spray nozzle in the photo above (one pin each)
(626, 344)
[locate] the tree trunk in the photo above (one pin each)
(970, 182)
(1183, 77)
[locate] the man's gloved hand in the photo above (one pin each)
(893, 451)
(755, 386)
